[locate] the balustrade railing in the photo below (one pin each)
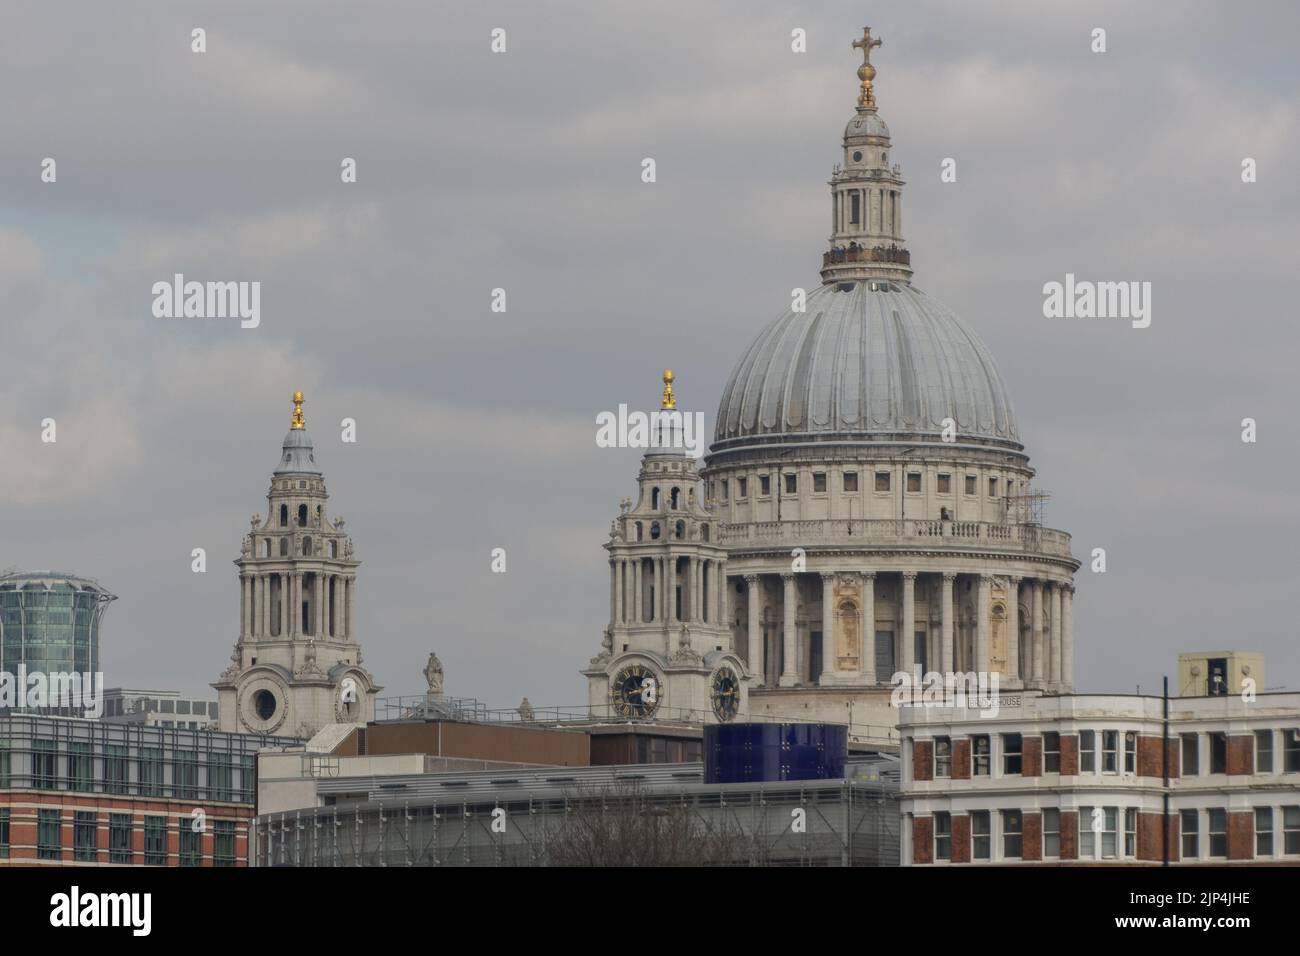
(899, 531)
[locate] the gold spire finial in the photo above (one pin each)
(668, 400)
(866, 72)
(297, 412)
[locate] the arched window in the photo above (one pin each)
(284, 547)
(680, 530)
(675, 501)
(334, 549)
(302, 516)
(284, 516)
(654, 531)
(654, 498)
(638, 531)
(306, 547)
(704, 532)
(266, 547)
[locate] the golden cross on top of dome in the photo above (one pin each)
(297, 412)
(866, 72)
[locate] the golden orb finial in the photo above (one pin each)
(866, 72)
(298, 421)
(668, 400)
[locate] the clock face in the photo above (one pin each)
(724, 691)
(635, 691)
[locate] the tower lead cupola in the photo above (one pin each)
(866, 194)
(297, 457)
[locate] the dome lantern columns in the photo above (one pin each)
(866, 194)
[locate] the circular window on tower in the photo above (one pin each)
(857, 156)
(264, 704)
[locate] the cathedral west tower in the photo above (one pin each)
(296, 665)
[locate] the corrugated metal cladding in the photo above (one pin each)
(881, 358)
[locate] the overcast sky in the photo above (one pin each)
(522, 170)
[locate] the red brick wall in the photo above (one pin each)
(24, 806)
(960, 838)
(1069, 822)
(1069, 755)
(1148, 831)
(1241, 754)
(961, 759)
(1241, 831)
(923, 760)
(1033, 836)
(923, 840)
(1032, 764)
(1148, 757)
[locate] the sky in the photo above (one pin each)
(522, 170)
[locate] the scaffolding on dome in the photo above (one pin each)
(1027, 508)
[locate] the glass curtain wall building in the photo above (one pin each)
(49, 622)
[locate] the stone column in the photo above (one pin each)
(657, 585)
(754, 635)
(1013, 628)
(828, 629)
(697, 589)
(907, 643)
(620, 582)
(613, 592)
(867, 653)
(352, 594)
(789, 674)
(670, 591)
(291, 614)
(1036, 627)
(637, 584)
(331, 587)
(1056, 634)
(336, 602)
(982, 625)
(723, 602)
(949, 644)
(1067, 636)
(244, 627)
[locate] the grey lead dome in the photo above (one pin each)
(881, 362)
(297, 456)
(866, 122)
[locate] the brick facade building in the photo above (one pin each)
(1081, 779)
(86, 793)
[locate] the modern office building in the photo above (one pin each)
(49, 624)
(158, 708)
(92, 792)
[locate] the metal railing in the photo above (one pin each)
(467, 709)
(901, 532)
